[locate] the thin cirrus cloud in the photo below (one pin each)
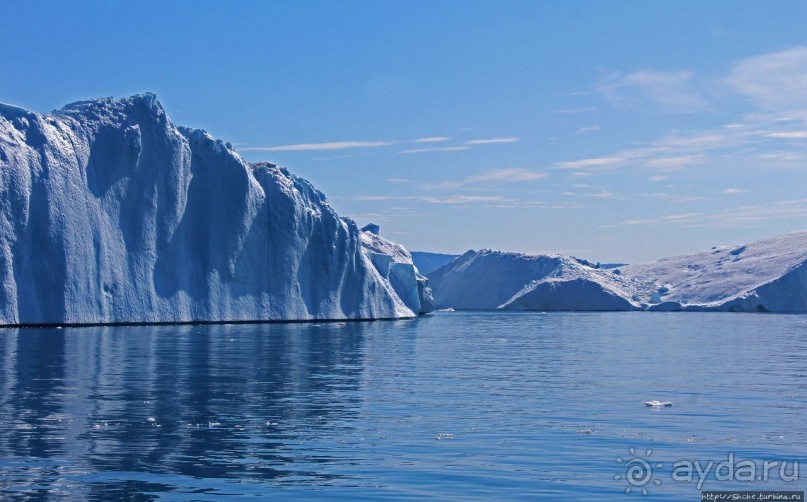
(492, 141)
(436, 149)
(789, 135)
(593, 162)
(448, 199)
(432, 139)
(588, 129)
(306, 147)
(777, 80)
(739, 217)
(507, 174)
(573, 111)
(672, 91)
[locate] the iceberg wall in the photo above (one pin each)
(109, 213)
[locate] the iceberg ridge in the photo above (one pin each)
(113, 214)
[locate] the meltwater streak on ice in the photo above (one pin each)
(110, 213)
(455, 405)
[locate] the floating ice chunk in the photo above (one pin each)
(657, 404)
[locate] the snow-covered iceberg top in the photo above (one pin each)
(765, 276)
(110, 213)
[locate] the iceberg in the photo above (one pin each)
(765, 276)
(395, 264)
(110, 213)
(429, 262)
(489, 279)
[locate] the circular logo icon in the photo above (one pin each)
(638, 471)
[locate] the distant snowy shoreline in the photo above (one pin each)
(764, 276)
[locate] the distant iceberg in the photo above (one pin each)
(765, 276)
(110, 213)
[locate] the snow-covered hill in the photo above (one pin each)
(110, 213)
(766, 276)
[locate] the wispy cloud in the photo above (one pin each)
(336, 145)
(463, 199)
(593, 162)
(491, 201)
(777, 80)
(603, 194)
(734, 190)
(674, 163)
(507, 174)
(671, 91)
(432, 139)
(742, 217)
(588, 129)
(436, 149)
(573, 111)
(492, 141)
(397, 180)
(447, 199)
(789, 135)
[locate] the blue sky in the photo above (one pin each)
(616, 131)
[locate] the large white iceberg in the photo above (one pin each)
(766, 276)
(490, 279)
(110, 213)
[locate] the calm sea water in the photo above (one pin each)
(454, 405)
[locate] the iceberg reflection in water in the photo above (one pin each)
(459, 404)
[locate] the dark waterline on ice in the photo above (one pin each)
(455, 405)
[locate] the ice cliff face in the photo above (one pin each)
(766, 276)
(111, 213)
(394, 263)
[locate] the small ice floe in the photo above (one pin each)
(585, 431)
(213, 424)
(442, 436)
(151, 420)
(657, 404)
(449, 309)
